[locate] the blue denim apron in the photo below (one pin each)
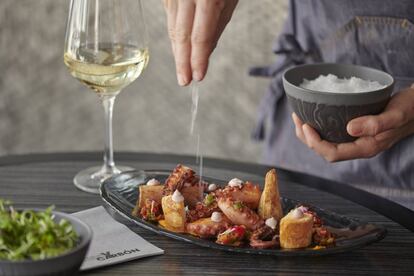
(375, 33)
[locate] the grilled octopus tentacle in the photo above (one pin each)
(206, 228)
(249, 194)
(187, 182)
(201, 211)
(240, 214)
(264, 237)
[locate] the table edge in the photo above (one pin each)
(373, 202)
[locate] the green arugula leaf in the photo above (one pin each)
(33, 235)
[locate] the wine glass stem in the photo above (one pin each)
(108, 105)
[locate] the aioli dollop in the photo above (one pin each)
(271, 222)
(235, 182)
(153, 182)
(212, 187)
(216, 216)
(177, 197)
(303, 208)
(297, 213)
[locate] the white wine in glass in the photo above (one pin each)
(110, 69)
(105, 49)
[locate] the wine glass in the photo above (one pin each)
(105, 49)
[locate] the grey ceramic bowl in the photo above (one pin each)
(328, 112)
(65, 264)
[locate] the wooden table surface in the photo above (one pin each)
(36, 181)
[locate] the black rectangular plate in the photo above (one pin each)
(121, 193)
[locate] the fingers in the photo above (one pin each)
(364, 147)
(298, 128)
(225, 17)
(182, 41)
(194, 28)
(309, 137)
(373, 125)
(171, 11)
(203, 37)
(322, 147)
(399, 111)
(390, 137)
(376, 133)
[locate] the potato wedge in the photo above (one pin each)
(163, 223)
(174, 214)
(147, 192)
(296, 232)
(269, 205)
(150, 192)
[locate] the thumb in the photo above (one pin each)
(373, 124)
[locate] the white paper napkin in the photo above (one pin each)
(112, 242)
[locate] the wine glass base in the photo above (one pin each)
(90, 179)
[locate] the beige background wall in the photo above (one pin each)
(43, 109)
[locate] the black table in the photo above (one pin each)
(43, 179)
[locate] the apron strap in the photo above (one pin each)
(290, 53)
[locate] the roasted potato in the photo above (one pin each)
(269, 205)
(149, 192)
(296, 232)
(174, 214)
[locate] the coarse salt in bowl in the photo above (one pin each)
(331, 83)
(328, 95)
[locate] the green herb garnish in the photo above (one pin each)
(238, 205)
(33, 235)
(209, 199)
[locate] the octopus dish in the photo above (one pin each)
(238, 214)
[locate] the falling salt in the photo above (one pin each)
(194, 106)
(194, 110)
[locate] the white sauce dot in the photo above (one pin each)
(177, 197)
(235, 182)
(212, 187)
(153, 182)
(303, 208)
(216, 216)
(271, 222)
(297, 213)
